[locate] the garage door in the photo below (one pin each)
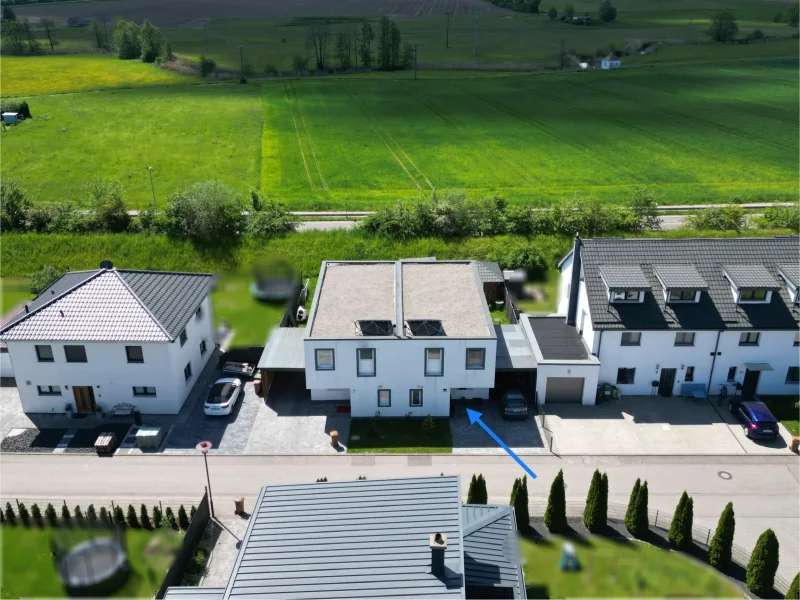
(564, 389)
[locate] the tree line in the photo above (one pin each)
(22, 37)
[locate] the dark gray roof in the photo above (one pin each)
(716, 309)
(489, 272)
(628, 277)
(680, 277)
(194, 593)
(491, 548)
(792, 273)
(355, 539)
(750, 276)
(557, 340)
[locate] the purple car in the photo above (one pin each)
(755, 418)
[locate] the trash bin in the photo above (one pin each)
(335, 439)
(239, 505)
(137, 417)
(795, 447)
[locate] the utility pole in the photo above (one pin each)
(562, 53)
(241, 62)
(688, 30)
(153, 188)
(415, 59)
(104, 28)
(447, 35)
(475, 42)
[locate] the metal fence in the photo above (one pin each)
(658, 519)
(549, 440)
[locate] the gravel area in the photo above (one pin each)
(32, 440)
(84, 439)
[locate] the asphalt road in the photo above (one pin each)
(765, 491)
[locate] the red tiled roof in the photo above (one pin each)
(611, 57)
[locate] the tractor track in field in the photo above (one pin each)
(365, 113)
(308, 136)
(299, 141)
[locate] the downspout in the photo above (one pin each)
(574, 289)
(713, 362)
(600, 344)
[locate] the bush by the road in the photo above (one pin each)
(555, 516)
(719, 553)
(763, 564)
(208, 212)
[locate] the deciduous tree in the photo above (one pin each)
(48, 27)
(723, 27)
(607, 11)
(317, 40)
(126, 39)
(14, 206)
(151, 41)
(552, 13)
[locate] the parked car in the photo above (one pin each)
(514, 405)
(223, 396)
(755, 417)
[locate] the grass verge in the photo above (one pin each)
(399, 436)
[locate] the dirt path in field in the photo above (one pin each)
(187, 13)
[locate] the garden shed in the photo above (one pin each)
(612, 61)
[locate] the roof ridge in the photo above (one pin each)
(139, 300)
(54, 299)
(162, 272)
(495, 515)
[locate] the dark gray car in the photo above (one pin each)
(514, 405)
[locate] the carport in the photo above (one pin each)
(515, 365)
(283, 353)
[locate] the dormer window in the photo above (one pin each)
(625, 296)
(624, 283)
(753, 295)
(680, 283)
(750, 284)
(682, 295)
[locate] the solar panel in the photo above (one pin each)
(375, 327)
(425, 327)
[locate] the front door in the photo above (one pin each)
(84, 398)
(750, 383)
(666, 383)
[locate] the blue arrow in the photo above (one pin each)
(475, 417)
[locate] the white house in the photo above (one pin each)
(672, 316)
(95, 339)
(612, 61)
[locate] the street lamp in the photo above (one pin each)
(204, 447)
(153, 188)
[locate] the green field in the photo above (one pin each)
(692, 132)
(13, 291)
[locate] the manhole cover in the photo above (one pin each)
(724, 475)
(355, 438)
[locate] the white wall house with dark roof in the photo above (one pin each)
(660, 314)
(95, 339)
(400, 337)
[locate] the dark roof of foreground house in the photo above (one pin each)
(748, 261)
(111, 305)
(370, 539)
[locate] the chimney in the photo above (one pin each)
(26, 309)
(575, 283)
(438, 547)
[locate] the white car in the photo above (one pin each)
(223, 396)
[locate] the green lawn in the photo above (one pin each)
(399, 436)
(615, 568)
(29, 571)
(13, 291)
(251, 319)
(785, 409)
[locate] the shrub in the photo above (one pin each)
(24, 515)
(607, 11)
(569, 11)
(428, 424)
(16, 106)
(723, 27)
(193, 510)
(207, 65)
(43, 279)
(50, 515)
(777, 17)
(630, 522)
(763, 565)
(207, 212)
(80, 520)
(645, 210)
(183, 518)
(91, 515)
(109, 212)
(794, 588)
(14, 206)
(36, 515)
(126, 39)
(756, 35)
(144, 518)
(169, 519)
(270, 69)
(151, 41)
(555, 516)
(719, 553)
(590, 514)
(66, 518)
(680, 530)
(270, 219)
(552, 13)
(300, 63)
(119, 516)
(725, 218)
(780, 217)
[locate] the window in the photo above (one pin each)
(793, 375)
(625, 376)
(749, 338)
(384, 398)
(144, 391)
(753, 295)
(134, 354)
(415, 397)
(187, 371)
(434, 362)
(324, 359)
(476, 358)
(45, 353)
(681, 295)
(366, 362)
(630, 338)
(683, 338)
(732, 374)
(797, 339)
(183, 338)
(75, 353)
(689, 377)
(202, 347)
(49, 390)
(198, 314)
(625, 296)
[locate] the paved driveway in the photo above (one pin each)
(650, 425)
(521, 436)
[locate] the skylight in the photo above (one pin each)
(374, 327)
(424, 327)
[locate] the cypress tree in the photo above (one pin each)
(471, 492)
(719, 553)
(24, 515)
(91, 515)
(794, 588)
(66, 518)
(603, 500)
(192, 512)
(133, 520)
(521, 506)
(183, 519)
(483, 495)
(640, 523)
(629, 519)
(144, 518)
(763, 565)
(555, 517)
(105, 521)
(514, 491)
(677, 529)
(119, 516)
(79, 518)
(36, 514)
(157, 516)
(590, 514)
(9, 515)
(170, 517)
(50, 515)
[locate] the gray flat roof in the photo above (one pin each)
(629, 277)
(284, 350)
(513, 349)
(354, 539)
(750, 276)
(557, 340)
(680, 276)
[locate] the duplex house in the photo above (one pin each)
(98, 338)
(663, 316)
(390, 538)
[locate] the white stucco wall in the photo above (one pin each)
(196, 331)
(6, 368)
(400, 367)
(589, 372)
(563, 286)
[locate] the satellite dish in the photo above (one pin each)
(106, 264)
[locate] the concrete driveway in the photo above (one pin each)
(522, 436)
(651, 425)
